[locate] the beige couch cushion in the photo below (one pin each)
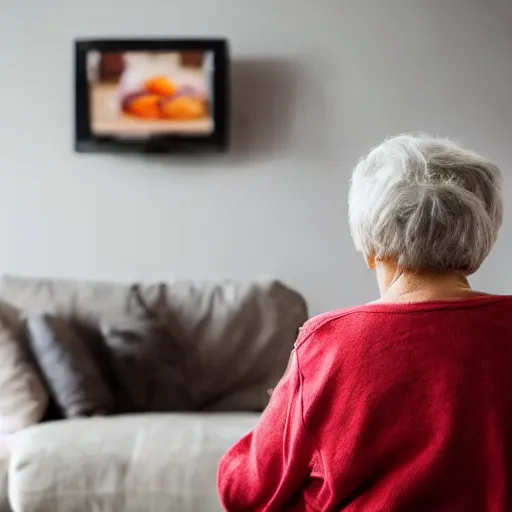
(23, 398)
(151, 463)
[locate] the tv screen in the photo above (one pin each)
(155, 96)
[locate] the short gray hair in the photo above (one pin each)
(426, 203)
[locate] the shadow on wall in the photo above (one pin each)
(264, 96)
(280, 106)
(276, 109)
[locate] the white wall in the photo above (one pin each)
(316, 84)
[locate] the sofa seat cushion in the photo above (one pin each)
(155, 463)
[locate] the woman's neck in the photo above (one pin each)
(401, 286)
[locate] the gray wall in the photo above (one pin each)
(316, 83)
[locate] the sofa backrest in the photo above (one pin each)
(241, 334)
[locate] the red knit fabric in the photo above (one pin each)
(386, 408)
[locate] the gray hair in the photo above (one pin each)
(426, 203)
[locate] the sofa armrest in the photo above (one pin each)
(5, 455)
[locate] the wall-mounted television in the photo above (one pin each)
(164, 96)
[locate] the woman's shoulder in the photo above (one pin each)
(359, 319)
(325, 320)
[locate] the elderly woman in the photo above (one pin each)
(404, 404)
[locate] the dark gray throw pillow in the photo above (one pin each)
(150, 365)
(69, 368)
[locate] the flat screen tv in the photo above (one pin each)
(163, 96)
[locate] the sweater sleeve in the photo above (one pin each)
(266, 468)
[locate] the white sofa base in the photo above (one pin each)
(153, 462)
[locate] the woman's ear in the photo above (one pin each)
(370, 261)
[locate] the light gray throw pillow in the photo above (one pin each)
(69, 367)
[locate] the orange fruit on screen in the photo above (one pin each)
(160, 85)
(184, 109)
(146, 107)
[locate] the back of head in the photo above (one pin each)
(426, 203)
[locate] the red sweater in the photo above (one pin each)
(386, 407)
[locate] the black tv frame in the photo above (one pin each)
(217, 141)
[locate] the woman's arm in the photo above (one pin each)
(270, 391)
(266, 468)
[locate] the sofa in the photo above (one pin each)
(162, 453)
